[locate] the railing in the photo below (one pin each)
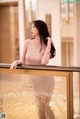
(21, 95)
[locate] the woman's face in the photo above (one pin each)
(34, 31)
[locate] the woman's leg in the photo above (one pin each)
(45, 111)
(41, 108)
(43, 87)
(48, 111)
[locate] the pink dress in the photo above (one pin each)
(42, 85)
(37, 55)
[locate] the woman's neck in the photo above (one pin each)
(37, 38)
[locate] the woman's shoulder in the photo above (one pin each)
(26, 42)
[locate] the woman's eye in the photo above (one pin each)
(33, 26)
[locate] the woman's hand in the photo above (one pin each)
(13, 65)
(49, 41)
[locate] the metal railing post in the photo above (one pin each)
(70, 96)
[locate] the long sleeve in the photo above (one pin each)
(46, 56)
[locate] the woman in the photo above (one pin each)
(37, 51)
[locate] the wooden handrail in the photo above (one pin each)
(39, 67)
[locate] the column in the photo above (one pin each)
(77, 57)
(56, 31)
(21, 25)
(52, 7)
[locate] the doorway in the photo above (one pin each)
(9, 38)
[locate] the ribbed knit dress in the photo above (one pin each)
(39, 55)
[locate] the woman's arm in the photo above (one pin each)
(46, 56)
(22, 59)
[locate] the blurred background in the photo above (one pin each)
(62, 18)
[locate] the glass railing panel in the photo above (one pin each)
(33, 97)
(60, 98)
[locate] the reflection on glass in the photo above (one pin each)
(43, 87)
(33, 97)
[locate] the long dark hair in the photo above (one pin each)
(44, 33)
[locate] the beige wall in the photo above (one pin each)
(67, 28)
